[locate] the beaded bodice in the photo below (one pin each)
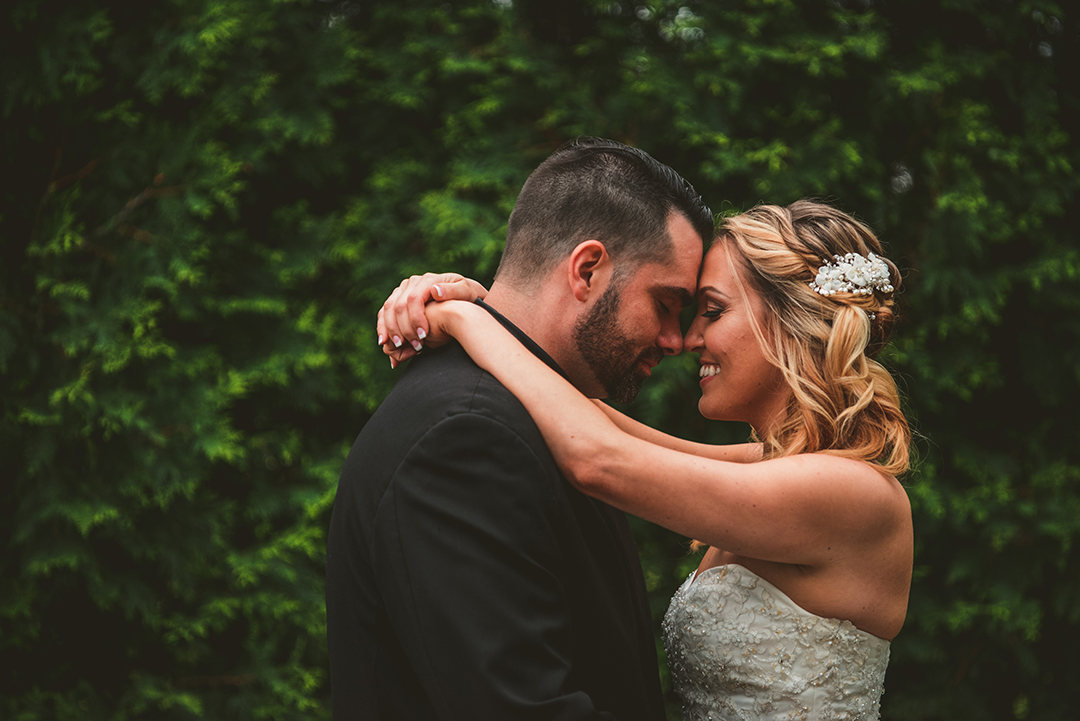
(739, 648)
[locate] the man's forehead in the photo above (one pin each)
(679, 293)
(676, 276)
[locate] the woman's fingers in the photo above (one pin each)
(409, 299)
(402, 324)
(460, 288)
(387, 324)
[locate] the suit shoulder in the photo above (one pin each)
(438, 386)
(447, 381)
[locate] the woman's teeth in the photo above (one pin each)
(708, 370)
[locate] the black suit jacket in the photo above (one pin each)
(466, 579)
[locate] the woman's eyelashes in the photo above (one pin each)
(712, 311)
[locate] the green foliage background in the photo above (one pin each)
(205, 201)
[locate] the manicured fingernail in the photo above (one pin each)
(397, 342)
(382, 338)
(393, 364)
(417, 345)
(438, 290)
(421, 333)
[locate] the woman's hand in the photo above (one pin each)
(403, 326)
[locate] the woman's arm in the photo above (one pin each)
(733, 452)
(805, 509)
(402, 327)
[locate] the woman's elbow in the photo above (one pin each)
(587, 465)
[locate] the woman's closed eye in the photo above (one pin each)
(712, 311)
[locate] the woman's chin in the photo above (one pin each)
(706, 410)
(710, 411)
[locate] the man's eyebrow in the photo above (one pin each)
(685, 297)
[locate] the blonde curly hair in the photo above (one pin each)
(843, 402)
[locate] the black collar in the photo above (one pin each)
(525, 340)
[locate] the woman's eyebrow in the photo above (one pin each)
(709, 289)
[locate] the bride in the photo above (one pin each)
(809, 534)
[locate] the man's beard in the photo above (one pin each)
(612, 357)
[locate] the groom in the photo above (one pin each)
(466, 579)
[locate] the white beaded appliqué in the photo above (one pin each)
(740, 650)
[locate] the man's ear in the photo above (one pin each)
(590, 269)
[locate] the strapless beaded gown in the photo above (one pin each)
(740, 649)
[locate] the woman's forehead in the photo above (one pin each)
(724, 276)
(716, 270)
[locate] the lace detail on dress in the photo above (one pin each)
(740, 649)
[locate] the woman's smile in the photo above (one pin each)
(708, 370)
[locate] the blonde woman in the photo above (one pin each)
(805, 581)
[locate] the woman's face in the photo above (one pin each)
(737, 382)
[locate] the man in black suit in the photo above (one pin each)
(466, 579)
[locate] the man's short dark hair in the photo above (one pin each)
(592, 188)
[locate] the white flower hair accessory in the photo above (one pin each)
(852, 273)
